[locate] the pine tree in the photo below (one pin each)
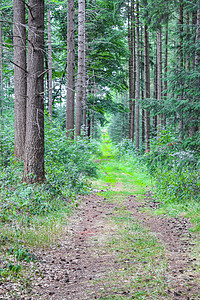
(20, 83)
(147, 86)
(81, 62)
(49, 63)
(70, 69)
(34, 145)
(137, 116)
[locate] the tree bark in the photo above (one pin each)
(166, 67)
(1, 93)
(159, 72)
(132, 77)
(155, 92)
(197, 36)
(81, 60)
(142, 88)
(34, 146)
(70, 70)
(188, 33)
(20, 83)
(49, 64)
(137, 123)
(84, 101)
(147, 86)
(181, 61)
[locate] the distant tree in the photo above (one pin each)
(50, 86)
(70, 69)
(180, 57)
(132, 71)
(159, 72)
(137, 115)
(1, 90)
(147, 86)
(81, 67)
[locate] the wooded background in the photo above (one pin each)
(134, 64)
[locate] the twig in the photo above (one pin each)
(44, 72)
(15, 64)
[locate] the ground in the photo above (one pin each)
(116, 247)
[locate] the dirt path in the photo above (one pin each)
(115, 250)
(81, 266)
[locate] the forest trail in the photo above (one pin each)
(116, 248)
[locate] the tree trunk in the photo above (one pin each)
(142, 89)
(197, 36)
(181, 61)
(188, 33)
(132, 77)
(159, 72)
(34, 146)
(84, 88)
(20, 83)
(49, 64)
(1, 92)
(147, 86)
(137, 123)
(81, 60)
(70, 70)
(88, 127)
(166, 66)
(194, 22)
(155, 92)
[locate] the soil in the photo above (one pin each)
(68, 270)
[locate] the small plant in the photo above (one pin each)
(10, 269)
(22, 254)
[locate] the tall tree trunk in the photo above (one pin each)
(197, 36)
(180, 48)
(194, 22)
(155, 92)
(166, 66)
(137, 123)
(70, 70)
(34, 146)
(1, 92)
(197, 54)
(188, 32)
(20, 83)
(142, 87)
(49, 64)
(159, 72)
(125, 117)
(81, 60)
(84, 87)
(132, 77)
(147, 86)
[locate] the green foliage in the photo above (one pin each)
(67, 165)
(22, 254)
(175, 170)
(10, 269)
(31, 214)
(118, 128)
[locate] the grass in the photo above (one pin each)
(141, 263)
(142, 271)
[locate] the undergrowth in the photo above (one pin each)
(33, 216)
(174, 173)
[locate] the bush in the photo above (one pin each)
(174, 169)
(67, 163)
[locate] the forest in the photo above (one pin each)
(99, 149)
